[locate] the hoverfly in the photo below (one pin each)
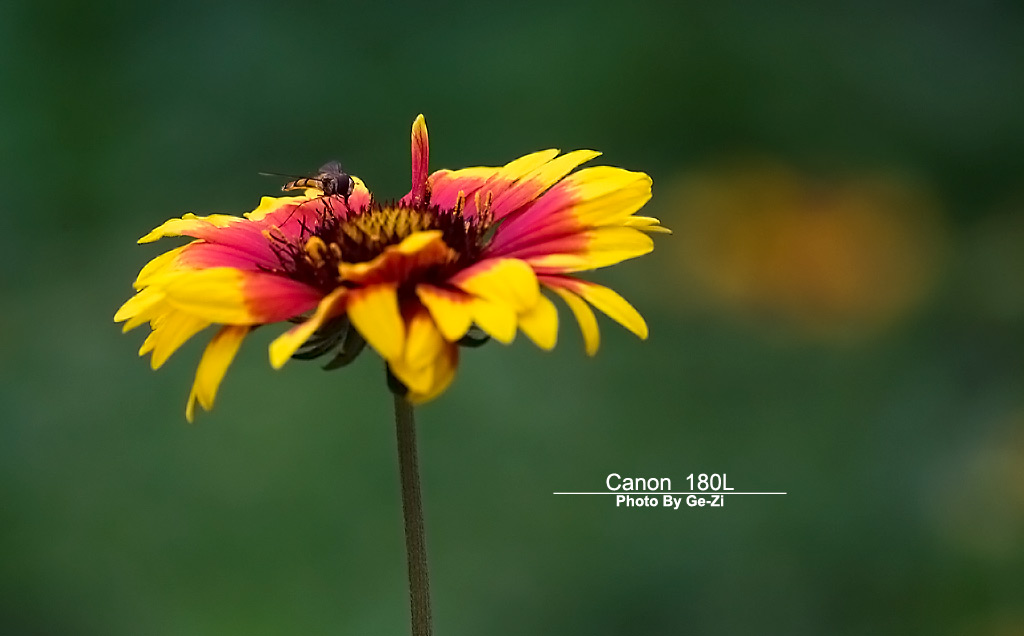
(331, 179)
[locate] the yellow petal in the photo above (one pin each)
(374, 312)
(451, 311)
(585, 317)
(214, 364)
(442, 374)
(532, 184)
(647, 224)
(526, 164)
(497, 319)
(606, 246)
(508, 281)
(611, 200)
(423, 344)
(282, 348)
(157, 266)
(444, 177)
(177, 227)
(172, 331)
(598, 181)
(418, 250)
(540, 324)
(555, 169)
(214, 294)
(142, 318)
(360, 197)
(615, 306)
(419, 129)
(416, 379)
(272, 204)
(423, 340)
(141, 304)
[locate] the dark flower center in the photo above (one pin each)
(315, 255)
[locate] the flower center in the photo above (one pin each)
(314, 257)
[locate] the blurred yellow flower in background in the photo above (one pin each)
(825, 257)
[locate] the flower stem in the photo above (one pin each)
(412, 510)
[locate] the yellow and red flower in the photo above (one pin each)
(410, 278)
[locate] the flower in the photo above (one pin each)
(409, 277)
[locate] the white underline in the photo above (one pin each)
(658, 492)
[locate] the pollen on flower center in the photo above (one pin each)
(363, 237)
(316, 255)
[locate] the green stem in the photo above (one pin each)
(412, 510)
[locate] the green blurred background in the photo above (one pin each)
(838, 315)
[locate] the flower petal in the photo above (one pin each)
(647, 224)
(190, 225)
(230, 296)
(497, 319)
(615, 307)
(450, 309)
(170, 330)
(588, 250)
(423, 345)
(360, 198)
(242, 234)
(442, 374)
(423, 340)
(445, 186)
(269, 205)
(504, 280)
(415, 379)
(589, 199)
(271, 298)
(417, 251)
(282, 348)
(276, 218)
(585, 317)
(607, 300)
(519, 168)
(139, 308)
(533, 184)
(214, 364)
(292, 220)
(420, 163)
(540, 324)
(160, 264)
(374, 312)
(203, 255)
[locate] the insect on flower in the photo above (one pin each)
(330, 180)
(463, 251)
